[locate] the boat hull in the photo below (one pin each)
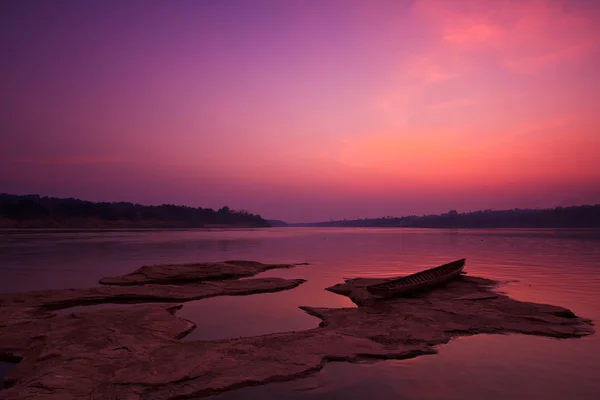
(418, 282)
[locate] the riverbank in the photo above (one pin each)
(97, 223)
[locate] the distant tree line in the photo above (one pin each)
(587, 216)
(31, 209)
(277, 223)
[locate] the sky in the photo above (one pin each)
(303, 110)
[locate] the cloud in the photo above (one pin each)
(475, 33)
(533, 64)
(505, 60)
(524, 36)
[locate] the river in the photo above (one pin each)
(560, 267)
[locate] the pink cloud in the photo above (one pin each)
(473, 33)
(496, 95)
(530, 65)
(524, 36)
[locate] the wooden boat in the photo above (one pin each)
(419, 281)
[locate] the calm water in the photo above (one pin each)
(557, 267)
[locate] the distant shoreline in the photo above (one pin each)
(34, 212)
(75, 230)
(97, 224)
(584, 216)
(4, 230)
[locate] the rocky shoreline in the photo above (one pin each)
(134, 352)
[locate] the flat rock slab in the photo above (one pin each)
(47, 300)
(134, 352)
(179, 273)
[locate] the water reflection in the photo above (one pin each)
(558, 267)
(494, 367)
(235, 316)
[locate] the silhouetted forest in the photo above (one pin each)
(560, 217)
(33, 211)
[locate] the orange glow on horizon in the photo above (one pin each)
(389, 105)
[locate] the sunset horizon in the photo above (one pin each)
(299, 199)
(267, 217)
(304, 111)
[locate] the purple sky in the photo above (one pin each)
(303, 110)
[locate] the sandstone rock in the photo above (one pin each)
(134, 352)
(178, 273)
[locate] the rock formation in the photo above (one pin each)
(134, 352)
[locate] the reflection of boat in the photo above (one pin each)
(419, 281)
